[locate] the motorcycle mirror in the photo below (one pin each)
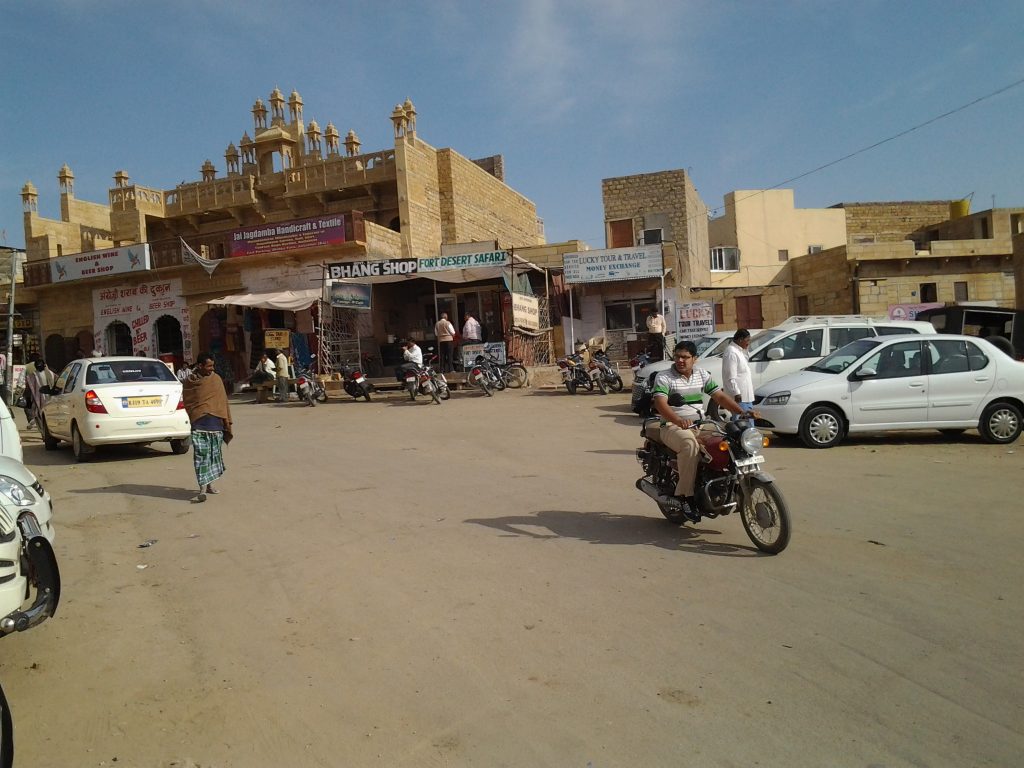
(676, 400)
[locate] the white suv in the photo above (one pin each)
(795, 344)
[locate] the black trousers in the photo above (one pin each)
(446, 348)
(656, 345)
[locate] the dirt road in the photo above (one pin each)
(479, 584)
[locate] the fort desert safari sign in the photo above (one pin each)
(113, 261)
(464, 261)
(139, 307)
(613, 264)
(288, 236)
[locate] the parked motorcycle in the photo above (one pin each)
(479, 376)
(310, 388)
(492, 370)
(427, 380)
(574, 373)
(609, 374)
(353, 382)
(638, 362)
(729, 478)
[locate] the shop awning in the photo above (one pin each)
(292, 301)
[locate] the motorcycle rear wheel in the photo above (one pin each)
(765, 516)
(602, 386)
(615, 384)
(570, 387)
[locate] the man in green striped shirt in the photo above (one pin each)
(692, 384)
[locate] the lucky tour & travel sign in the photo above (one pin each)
(600, 266)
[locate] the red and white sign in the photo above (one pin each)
(139, 307)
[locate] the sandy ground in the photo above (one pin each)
(479, 584)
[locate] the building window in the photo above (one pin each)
(629, 315)
(960, 291)
(813, 249)
(802, 305)
(719, 314)
(928, 293)
(725, 259)
(783, 255)
(983, 232)
(620, 233)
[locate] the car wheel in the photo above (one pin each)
(1000, 423)
(82, 450)
(181, 446)
(822, 427)
(50, 442)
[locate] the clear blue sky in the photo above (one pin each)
(742, 94)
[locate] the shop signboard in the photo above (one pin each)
(380, 268)
(602, 266)
(295, 235)
(495, 349)
(909, 311)
(111, 261)
(350, 295)
(464, 261)
(139, 307)
(696, 319)
(525, 311)
(276, 338)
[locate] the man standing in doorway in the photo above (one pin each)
(656, 335)
(471, 330)
(445, 333)
(281, 364)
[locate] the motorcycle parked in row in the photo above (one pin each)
(481, 376)
(427, 380)
(492, 371)
(729, 478)
(609, 374)
(353, 382)
(576, 374)
(512, 372)
(309, 388)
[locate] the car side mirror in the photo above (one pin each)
(866, 373)
(775, 353)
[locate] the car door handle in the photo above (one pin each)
(981, 378)
(916, 384)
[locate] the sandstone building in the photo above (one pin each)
(293, 196)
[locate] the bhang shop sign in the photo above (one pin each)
(613, 264)
(382, 268)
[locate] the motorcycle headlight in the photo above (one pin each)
(752, 441)
(779, 398)
(15, 492)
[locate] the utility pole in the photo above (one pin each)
(8, 388)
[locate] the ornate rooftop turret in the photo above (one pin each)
(313, 137)
(29, 198)
(295, 107)
(399, 121)
(410, 115)
(259, 115)
(231, 158)
(209, 171)
(331, 136)
(352, 144)
(276, 107)
(121, 178)
(67, 181)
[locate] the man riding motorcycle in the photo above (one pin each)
(674, 431)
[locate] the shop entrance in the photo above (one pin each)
(168, 338)
(118, 337)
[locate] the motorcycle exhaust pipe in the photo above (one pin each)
(646, 486)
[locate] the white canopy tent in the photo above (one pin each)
(292, 301)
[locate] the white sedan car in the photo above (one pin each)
(113, 401)
(945, 382)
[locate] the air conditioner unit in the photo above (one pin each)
(652, 236)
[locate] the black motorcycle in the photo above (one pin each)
(609, 374)
(353, 381)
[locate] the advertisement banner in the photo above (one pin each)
(909, 311)
(139, 307)
(112, 261)
(349, 295)
(288, 236)
(525, 311)
(613, 264)
(465, 261)
(381, 268)
(696, 319)
(495, 349)
(276, 338)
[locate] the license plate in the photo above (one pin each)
(360, 380)
(410, 378)
(142, 402)
(750, 460)
(478, 377)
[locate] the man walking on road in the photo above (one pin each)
(206, 403)
(281, 364)
(445, 333)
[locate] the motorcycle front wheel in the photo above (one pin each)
(615, 384)
(765, 516)
(321, 396)
(570, 387)
(499, 382)
(602, 386)
(516, 376)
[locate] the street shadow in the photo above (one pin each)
(890, 439)
(608, 528)
(618, 408)
(629, 418)
(37, 456)
(615, 452)
(154, 491)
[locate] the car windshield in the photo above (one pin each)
(705, 343)
(844, 357)
(128, 371)
(763, 338)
